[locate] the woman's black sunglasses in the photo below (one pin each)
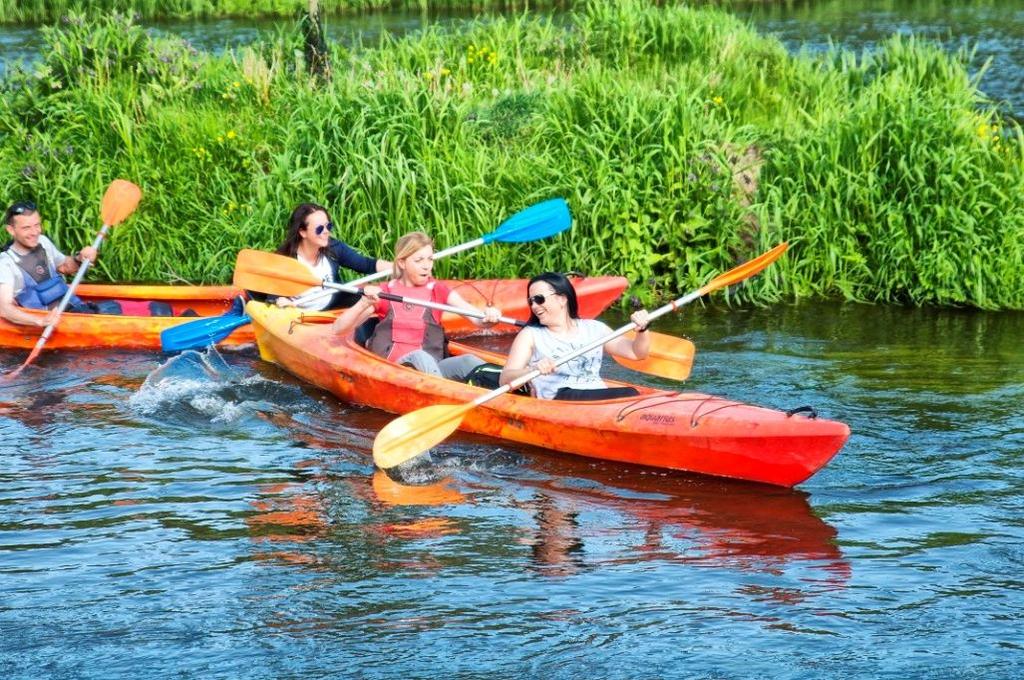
(320, 228)
(535, 299)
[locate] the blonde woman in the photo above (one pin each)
(410, 334)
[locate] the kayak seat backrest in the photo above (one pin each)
(487, 376)
(365, 330)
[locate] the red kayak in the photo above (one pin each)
(670, 429)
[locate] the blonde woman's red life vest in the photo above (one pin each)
(404, 327)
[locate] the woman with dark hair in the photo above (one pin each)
(555, 330)
(309, 241)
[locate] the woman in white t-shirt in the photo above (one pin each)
(309, 241)
(555, 330)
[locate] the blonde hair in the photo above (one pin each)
(406, 246)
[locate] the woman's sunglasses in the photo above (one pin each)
(320, 228)
(536, 299)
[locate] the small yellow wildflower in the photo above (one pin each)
(231, 134)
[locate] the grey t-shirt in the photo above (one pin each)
(11, 273)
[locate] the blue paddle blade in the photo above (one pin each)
(536, 222)
(200, 333)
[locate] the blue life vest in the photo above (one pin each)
(43, 294)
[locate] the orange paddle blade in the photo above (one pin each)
(670, 357)
(745, 270)
(272, 273)
(120, 201)
(390, 492)
(414, 433)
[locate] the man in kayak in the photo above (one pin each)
(409, 334)
(554, 330)
(309, 240)
(31, 269)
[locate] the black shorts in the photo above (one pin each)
(570, 394)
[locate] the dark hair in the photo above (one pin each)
(296, 223)
(561, 285)
(19, 208)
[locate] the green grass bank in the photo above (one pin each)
(38, 11)
(683, 140)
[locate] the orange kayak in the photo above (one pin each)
(95, 331)
(687, 431)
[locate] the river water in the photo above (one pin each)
(210, 516)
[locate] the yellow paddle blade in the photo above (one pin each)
(745, 270)
(670, 357)
(120, 201)
(272, 273)
(414, 433)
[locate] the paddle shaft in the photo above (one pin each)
(314, 295)
(349, 288)
(119, 201)
(48, 331)
(536, 222)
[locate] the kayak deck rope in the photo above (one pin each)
(310, 319)
(488, 299)
(661, 399)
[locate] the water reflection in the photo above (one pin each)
(575, 515)
(285, 514)
(388, 493)
(691, 520)
(556, 548)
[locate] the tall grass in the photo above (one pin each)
(38, 11)
(684, 142)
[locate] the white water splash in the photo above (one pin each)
(199, 383)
